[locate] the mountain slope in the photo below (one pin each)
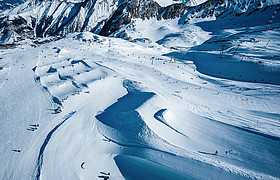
(51, 18)
(43, 18)
(138, 109)
(176, 92)
(8, 4)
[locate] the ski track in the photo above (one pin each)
(45, 143)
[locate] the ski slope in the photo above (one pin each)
(143, 109)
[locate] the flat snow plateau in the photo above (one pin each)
(140, 109)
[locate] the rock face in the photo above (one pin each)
(225, 8)
(144, 9)
(17, 25)
(172, 11)
(41, 18)
(8, 4)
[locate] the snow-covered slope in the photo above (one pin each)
(141, 111)
(164, 3)
(51, 18)
(227, 9)
(42, 18)
(191, 96)
(8, 4)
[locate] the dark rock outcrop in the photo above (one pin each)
(144, 9)
(172, 11)
(18, 24)
(7, 4)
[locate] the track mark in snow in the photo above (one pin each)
(4, 71)
(255, 131)
(46, 141)
(249, 130)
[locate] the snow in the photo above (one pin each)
(165, 3)
(155, 109)
(152, 170)
(166, 32)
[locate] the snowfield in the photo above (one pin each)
(188, 2)
(156, 107)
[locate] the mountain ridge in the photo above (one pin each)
(42, 18)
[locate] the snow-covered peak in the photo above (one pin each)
(226, 8)
(165, 3)
(43, 18)
(74, 1)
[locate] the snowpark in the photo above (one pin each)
(144, 109)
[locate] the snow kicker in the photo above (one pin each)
(122, 114)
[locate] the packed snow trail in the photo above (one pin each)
(44, 145)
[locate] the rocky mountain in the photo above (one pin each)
(140, 9)
(8, 4)
(225, 8)
(41, 18)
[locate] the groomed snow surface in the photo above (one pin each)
(143, 110)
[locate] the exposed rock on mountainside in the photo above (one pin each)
(224, 8)
(42, 18)
(172, 11)
(7, 4)
(140, 9)
(55, 17)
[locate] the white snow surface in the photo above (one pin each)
(165, 3)
(143, 109)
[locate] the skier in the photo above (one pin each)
(82, 165)
(58, 110)
(216, 153)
